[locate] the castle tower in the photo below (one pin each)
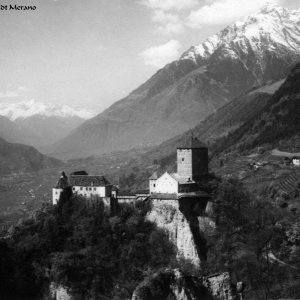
(192, 160)
(58, 189)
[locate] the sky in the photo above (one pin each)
(91, 53)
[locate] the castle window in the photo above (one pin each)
(81, 188)
(182, 159)
(153, 184)
(94, 189)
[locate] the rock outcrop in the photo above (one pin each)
(58, 292)
(173, 284)
(185, 231)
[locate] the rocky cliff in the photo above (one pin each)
(58, 292)
(173, 284)
(186, 231)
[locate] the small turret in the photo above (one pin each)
(62, 184)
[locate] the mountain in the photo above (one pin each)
(250, 53)
(277, 125)
(41, 124)
(12, 132)
(18, 158)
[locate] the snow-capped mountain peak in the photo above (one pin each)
(27, 109)
(270, 29)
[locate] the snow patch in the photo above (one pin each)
(27, 109)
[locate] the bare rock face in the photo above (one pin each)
(173, 284)
(58, 292)
(184, 230)
(166, 215)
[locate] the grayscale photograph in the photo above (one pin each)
(149, 150)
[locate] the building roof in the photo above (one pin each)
(154, 176)
(142, 192)
(181, 180)
(191, 143)
(164, 196)
(88, 180)
(198, 194)
(79, 173)
(62, 182)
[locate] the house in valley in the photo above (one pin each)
(296, 161)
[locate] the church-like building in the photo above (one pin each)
(192, 168)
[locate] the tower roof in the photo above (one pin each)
(192, 142)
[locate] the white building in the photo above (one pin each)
(90, 186)
(296, 161)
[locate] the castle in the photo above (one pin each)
(91, 187)
(192, 169)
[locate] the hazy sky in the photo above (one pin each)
(91, 53)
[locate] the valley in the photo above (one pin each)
(186, 188)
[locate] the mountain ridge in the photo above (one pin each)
(183, 93)
(39, 124)
(27, 109)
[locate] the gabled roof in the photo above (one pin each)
(154, 176)
(191, 143)
(88, 180)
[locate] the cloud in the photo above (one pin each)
(9, 95)
(224, 11)
(167, 23)
(159, 56)
(167, 5)
(166, 14)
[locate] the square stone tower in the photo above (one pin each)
(192, 160)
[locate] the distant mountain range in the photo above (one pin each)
(38, 124)
(258, 51)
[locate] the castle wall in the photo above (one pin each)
(184, 163)
(166, 184)
(192, 163)
(199, 163)
(152, 186)
(91, 191)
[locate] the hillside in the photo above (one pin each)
(18, 158)
(250, 53)
(12, 132)
(276, 126)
